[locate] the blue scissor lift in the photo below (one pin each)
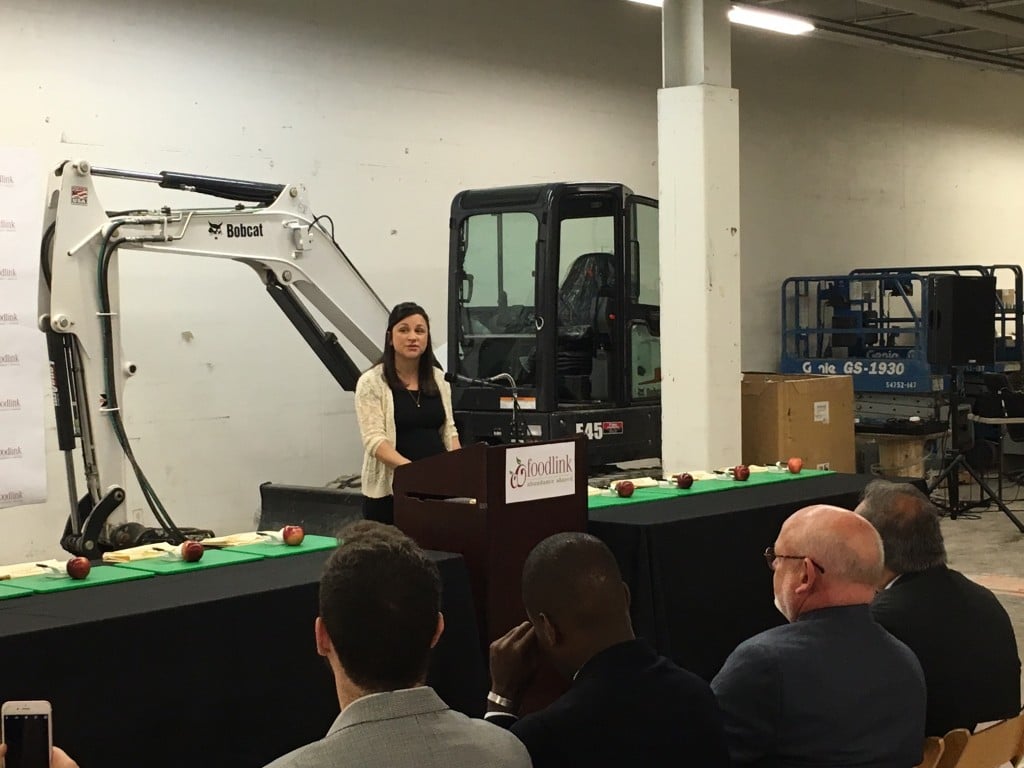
(872, 324)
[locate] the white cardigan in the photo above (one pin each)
(375, 410)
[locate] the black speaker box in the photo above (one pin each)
(961, 320)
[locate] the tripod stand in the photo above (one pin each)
(956, 459)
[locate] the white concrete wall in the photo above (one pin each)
(849, 157)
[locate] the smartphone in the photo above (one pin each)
(28, 733)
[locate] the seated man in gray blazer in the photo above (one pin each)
(380, 599)
(831, 688)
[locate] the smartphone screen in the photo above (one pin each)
(28, 741)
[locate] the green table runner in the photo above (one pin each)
(8, 592)
(274, 549)
(100, 574)
(212, 558)
(724, 483)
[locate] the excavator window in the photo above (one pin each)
(587, 276)
(645, 320)
(497, 301)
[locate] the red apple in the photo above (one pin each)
(293, 535)
(795, 464)
(624, 488)
(684, 480)
(79, 567)
(192, 551)
(741, 472)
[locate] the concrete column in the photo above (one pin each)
(698, 180)
(696, 43)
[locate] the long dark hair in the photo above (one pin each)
(428, 385)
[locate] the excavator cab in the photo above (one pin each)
(556, 285)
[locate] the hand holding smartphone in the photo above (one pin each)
(28, 733)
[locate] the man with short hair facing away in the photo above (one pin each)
(627, 705)
(380, 617)
(959, 631)
(831, 688)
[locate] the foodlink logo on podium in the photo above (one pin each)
(12, 452)
(6, 358)
(10, 496)
(10, 404)
(8, 273)
(540, 472)
(8, 318)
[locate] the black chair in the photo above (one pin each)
(983, 451)
(1012, 402)
(998, 400)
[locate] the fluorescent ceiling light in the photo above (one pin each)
(770, 20)
(762, 19)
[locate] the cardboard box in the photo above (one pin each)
(792, 414)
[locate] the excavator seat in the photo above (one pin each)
(590, 278)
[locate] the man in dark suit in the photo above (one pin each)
(831, 688)
(627, 705)
(959, 631)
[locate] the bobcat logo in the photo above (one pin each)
(215, 228)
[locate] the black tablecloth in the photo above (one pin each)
(219, 667)
(211, 668)
(695, 565)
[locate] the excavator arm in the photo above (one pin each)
(277, 235)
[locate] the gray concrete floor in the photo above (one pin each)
(986, 545)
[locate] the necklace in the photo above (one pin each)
(415, 398)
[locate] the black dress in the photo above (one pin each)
(418, 421)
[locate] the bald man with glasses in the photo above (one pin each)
(831, 688)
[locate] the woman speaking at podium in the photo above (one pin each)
(404, 408)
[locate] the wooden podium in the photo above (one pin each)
(493, 504)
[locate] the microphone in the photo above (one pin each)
(466, 381)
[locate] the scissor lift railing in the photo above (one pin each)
(1009, 313)
(872, 324)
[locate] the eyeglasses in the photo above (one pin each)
(770, 556)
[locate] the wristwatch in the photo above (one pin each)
(498, 699)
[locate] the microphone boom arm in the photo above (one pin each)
(519, 432)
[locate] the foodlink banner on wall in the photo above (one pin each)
(23, 364)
